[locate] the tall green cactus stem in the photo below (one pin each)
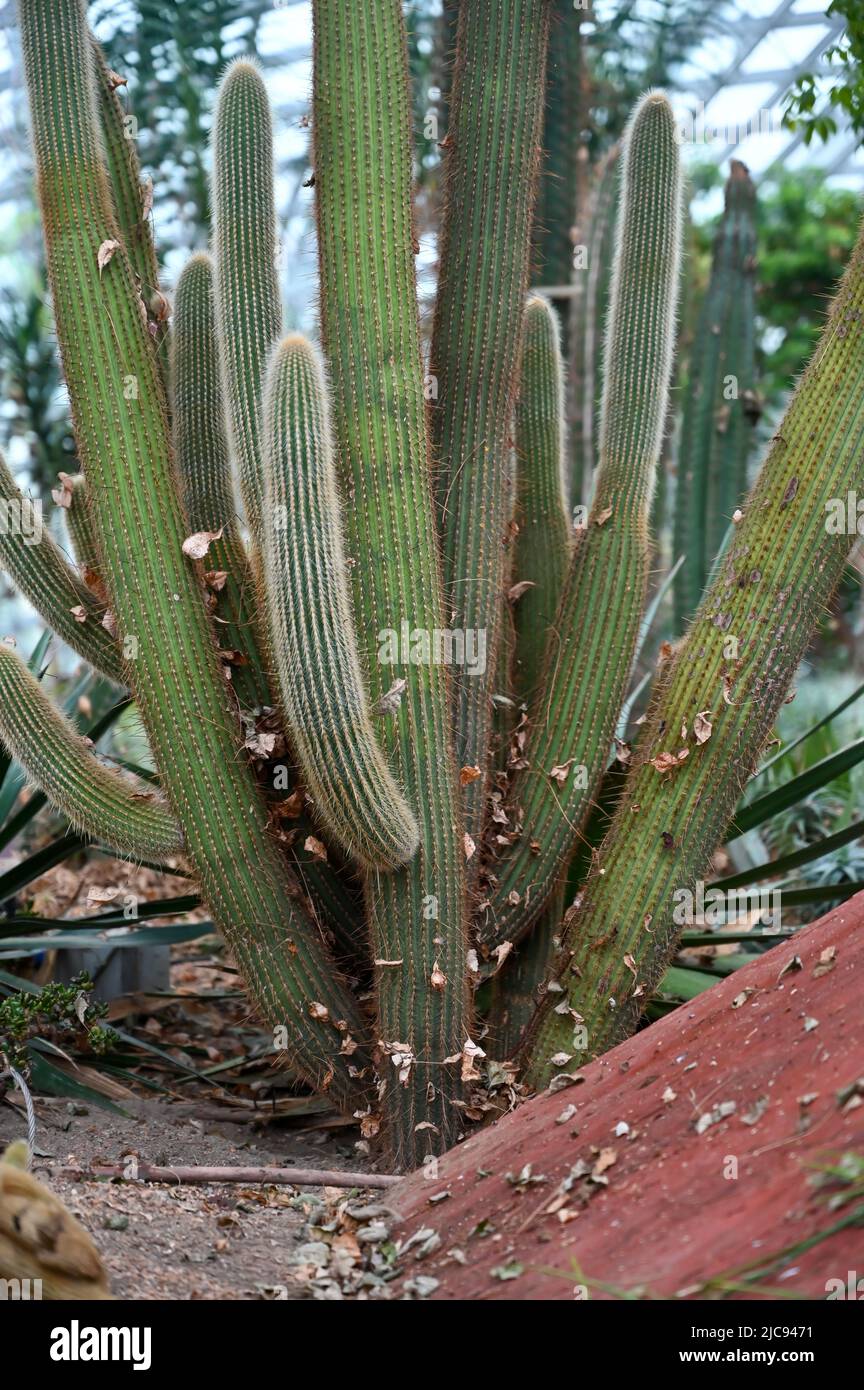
(733, 669)
(721, 404)
(41, 572)
(590, 331)
(362, 153)
(175, 675)
(600, 611)
(204, 464)
(542, 550)
(557, 195)
(248, 304)
(128, 194)
(542, 555)
(490, 176)
(312, 625)
(99, 802)
(131, 197)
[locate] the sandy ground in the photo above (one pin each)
(158, 1242)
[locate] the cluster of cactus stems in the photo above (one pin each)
(426, 852)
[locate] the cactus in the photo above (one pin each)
(203, 462)
(558, 193)
(588, 665)
(312, 625)
(97, 801)
(40, 570)
(721, 405)
(371, 338)
(542, 550)
(720, 699)
(248, 313)
(590, 328)
(332, 597)
(494, 136)
(80, 528)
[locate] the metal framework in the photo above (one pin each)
(774, 42)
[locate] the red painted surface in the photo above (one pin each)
(669, 1218)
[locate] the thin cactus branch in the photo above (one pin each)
(204, 465)
(248, 304)
(721, 404)
(543, 540)
(41, 572)
(100, 803)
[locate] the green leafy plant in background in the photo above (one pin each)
(808, 106)
(291, 673)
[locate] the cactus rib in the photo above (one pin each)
(312, 626)
(601, 605)
(733, 669)
(99, 803)
(123, 442)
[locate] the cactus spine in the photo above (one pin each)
(598, 616)
(490, 175)
(721, 403)
(362, 155)
(100, 803)
(248, 308)
(175, 676)
(312, 624)
(775, 581)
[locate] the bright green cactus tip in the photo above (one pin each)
(312, 625)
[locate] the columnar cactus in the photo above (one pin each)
(326, 621)
(323, 695)
(494, 139)
(721, 405)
